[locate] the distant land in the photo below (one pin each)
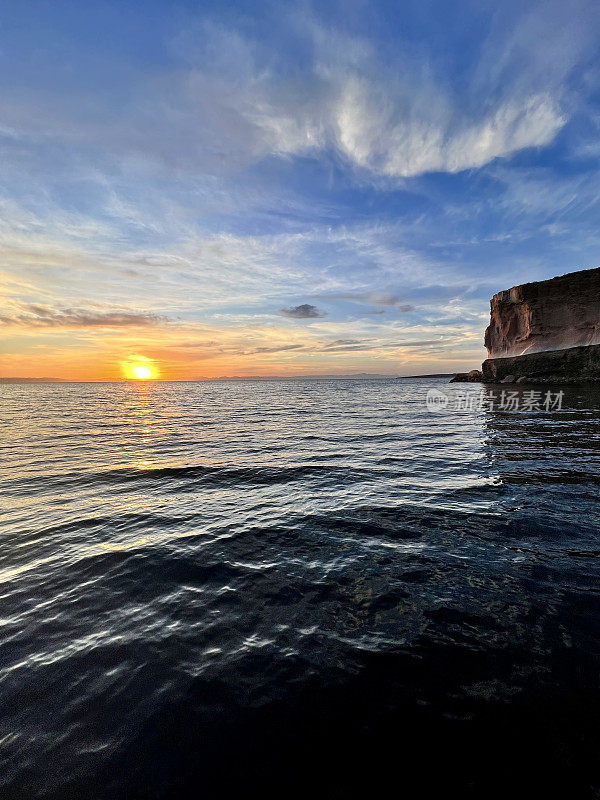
(430, 375)
(33, 380)
(326, 377)
(355, 376)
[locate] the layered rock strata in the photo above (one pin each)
(556, 314)
(544, 332)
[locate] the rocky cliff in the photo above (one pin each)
(544, 332)
(555, 314)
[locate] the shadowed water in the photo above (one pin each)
(311, 587)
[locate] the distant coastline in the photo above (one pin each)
(37, 380)
(430, 375)
(357, 376)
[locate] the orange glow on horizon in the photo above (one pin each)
(139, 368)
(191, 353)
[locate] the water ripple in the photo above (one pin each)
(286, 576)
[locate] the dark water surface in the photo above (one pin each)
(297, 588)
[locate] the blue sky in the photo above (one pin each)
(273, 188)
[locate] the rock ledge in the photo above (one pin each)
(574, 365)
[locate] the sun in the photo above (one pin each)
(139, 368)
(141, 372)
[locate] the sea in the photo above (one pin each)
(298, 588)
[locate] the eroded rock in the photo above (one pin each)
(544, 332)
(556, 314)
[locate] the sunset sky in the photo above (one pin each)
(217, 189)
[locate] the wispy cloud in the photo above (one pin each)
(375, 299)
(356, 345)
(398, 119)
(229, 105)
(282, 349)
(33, 315)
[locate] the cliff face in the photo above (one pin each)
(556, 314)
(544, 332)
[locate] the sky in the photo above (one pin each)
(257, 188)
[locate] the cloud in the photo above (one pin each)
(394, 133)
(373, 299)
(341, 342)
(370, 298)
(33, 315)
(398, 120)
(350, 345)
(232, 101)
(304, 311)
(341, 346)
(280, 349)
(196, 345)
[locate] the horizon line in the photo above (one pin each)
(309, 376)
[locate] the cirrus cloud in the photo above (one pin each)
(35, 315)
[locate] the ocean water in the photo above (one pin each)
(297, 588)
